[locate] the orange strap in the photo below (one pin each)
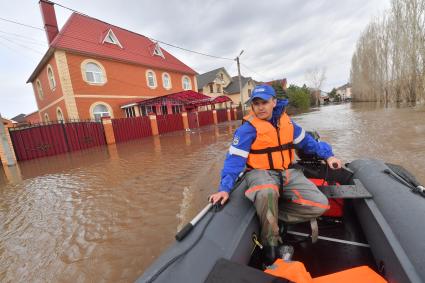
(300, 200)
(262, 187)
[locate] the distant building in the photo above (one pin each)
(218, 82)
(344, 92)
(7, 122)
(92, 68)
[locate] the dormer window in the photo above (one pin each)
(157, 51)
(111, 38)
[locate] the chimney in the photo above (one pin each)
(49, 19)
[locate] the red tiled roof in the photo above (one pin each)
(85, 34)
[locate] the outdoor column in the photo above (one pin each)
(185, 121)
(136, 110)
(109, 130)
(215, 116)
(7, 154)
(154, 125)
(235, 113)
(229, 116)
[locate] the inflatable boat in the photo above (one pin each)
(376, 220)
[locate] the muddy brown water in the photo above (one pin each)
(104, 214)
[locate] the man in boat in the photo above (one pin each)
(264, 146)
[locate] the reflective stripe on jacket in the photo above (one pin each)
(273, 146)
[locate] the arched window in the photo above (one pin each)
(186, 83)
(94, 73)
(59, 114)
(151, 79)
(99, 111)
(46, 118)
(39, 89)
(51, 78)
(166, 81)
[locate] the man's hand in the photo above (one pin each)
(334, 163)
(223, 196)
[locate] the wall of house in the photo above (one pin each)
(123, 83)
(50, 96)
(236, 97)
(33, 118)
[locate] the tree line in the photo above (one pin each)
(388, 64)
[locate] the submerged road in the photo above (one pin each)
(104, 214)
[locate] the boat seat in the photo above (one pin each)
(356, 191)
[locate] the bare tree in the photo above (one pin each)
(315, 78)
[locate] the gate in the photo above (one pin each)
(169, 123)
(192, 117)
(126, 129)
(205, 118)
(221, 115)
(56, 138)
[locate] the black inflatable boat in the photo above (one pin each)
(377, 220)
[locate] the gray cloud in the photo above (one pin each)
(280, 38)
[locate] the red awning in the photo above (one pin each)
(221, 99)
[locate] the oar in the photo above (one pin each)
(404, 177)
(189, 226)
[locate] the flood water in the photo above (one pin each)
(104, 214)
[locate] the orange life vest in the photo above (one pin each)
(273, 147)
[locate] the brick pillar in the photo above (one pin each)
(215, 116)
(154, 125)
(185, 121)
(109, 130)
(229, 116)
(7, 154)
(235, 113)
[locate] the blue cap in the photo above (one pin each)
(265, 92)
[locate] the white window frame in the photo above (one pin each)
(104, 79)
(58, 110)
(46, 118)
(51, 77)
(109, 113)
(157, 51)
(189, 87)
(153, 77)
(169, 81)
(111, 38)
(39, 88)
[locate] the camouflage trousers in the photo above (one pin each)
(300, 201)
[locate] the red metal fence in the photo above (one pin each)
(169, 123)
(126, 129)
(55, 138)
(205, 118)
(221, 115)
(192, 118)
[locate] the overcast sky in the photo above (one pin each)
(280, 38)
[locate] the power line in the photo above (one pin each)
(21, 24)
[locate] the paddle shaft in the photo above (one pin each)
(189, 226)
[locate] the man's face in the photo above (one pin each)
(263, 109)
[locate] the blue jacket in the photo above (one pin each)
(244, 137)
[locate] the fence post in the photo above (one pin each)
(229, 115)
(109, 130)
(185, 121)
(7, 154)
(215, 116)
(235, 113)
(154, 125)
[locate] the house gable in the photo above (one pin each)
(111, 38)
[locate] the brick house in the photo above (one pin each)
(218, 82)
(92, 68)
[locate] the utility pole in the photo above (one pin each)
(240, 81)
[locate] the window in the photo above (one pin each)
(146, 109)
(59, 114)
(177, 109)
(221, 76)
(151, 79)
(129, 112)
(46, 118)
(218, 88)
(249, 92)
(99, 111)
(39, 89)
(164, 110)
(51, 78)
(94, 73)
(157, 51)
(166, 81)
(111, 38)
(211, 88)
(186, 83)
